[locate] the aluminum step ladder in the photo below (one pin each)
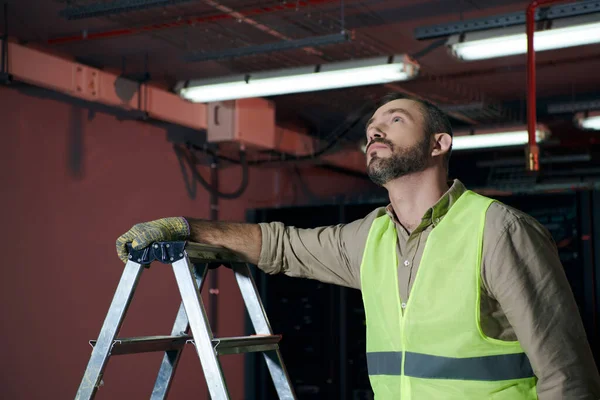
(190, 262)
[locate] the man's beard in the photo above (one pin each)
(402, 162)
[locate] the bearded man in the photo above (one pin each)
(465, 297)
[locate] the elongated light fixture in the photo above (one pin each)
(588, 120)
(491, 138)
(297, 80)
(568, 32)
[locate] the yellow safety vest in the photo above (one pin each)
(436, 349)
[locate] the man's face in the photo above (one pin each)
(396, 142)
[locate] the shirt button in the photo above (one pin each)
(403, 305)
(406, 263)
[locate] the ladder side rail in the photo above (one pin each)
(261, 324)
(171, 358)
(199, 326)
(108, 332)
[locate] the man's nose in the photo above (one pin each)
(376, 132)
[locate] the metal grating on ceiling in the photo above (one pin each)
(234, 33)
(208, 25)
(203, 27)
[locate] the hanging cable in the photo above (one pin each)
(190, 181)
(342, 16)
(304, 187)
(338, 133)
(182, 154)
(428, 49)
(4, 75)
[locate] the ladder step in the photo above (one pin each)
(145, 344)
(222, 346)
(246, 344)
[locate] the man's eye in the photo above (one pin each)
(396, 119)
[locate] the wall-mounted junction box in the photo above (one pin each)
(247, 121)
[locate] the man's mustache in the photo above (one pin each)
(382, 141)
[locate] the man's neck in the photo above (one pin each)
(412, 195)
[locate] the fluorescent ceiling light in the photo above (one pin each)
(498, 138)
(589, 120)
(308, 79)
(512, 41)
(591, 123)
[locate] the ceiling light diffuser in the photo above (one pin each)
(496, 138)
(512, 41)
(298, 80)
(588, 120)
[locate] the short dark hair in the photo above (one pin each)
(435, 120)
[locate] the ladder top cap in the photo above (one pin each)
(170, 252)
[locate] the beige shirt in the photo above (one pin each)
(525, 294)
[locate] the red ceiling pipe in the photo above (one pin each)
(187, 21)
(533, 151)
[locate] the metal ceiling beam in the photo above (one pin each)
(518, 161)
(500, 21)
(313, 41)
(103, 9)
(573, 106)
(189, 21)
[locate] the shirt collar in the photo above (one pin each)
(435, 214)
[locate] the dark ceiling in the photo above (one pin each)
(154, 42)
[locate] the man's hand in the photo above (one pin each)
(144, 234)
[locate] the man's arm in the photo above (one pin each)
(320, 253)
(243, 239)
(330, 254)
(525, 275)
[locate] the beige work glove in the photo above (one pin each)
(144, 234)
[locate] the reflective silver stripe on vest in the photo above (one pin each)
(488, 368)
(384, 363)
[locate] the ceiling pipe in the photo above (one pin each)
(533, 150)
(190, 21)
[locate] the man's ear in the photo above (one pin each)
(442, 144)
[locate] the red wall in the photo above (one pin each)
(72, 182)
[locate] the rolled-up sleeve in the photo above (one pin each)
(330, 254)
(525, 275)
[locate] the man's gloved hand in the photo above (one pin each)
(144, 234)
